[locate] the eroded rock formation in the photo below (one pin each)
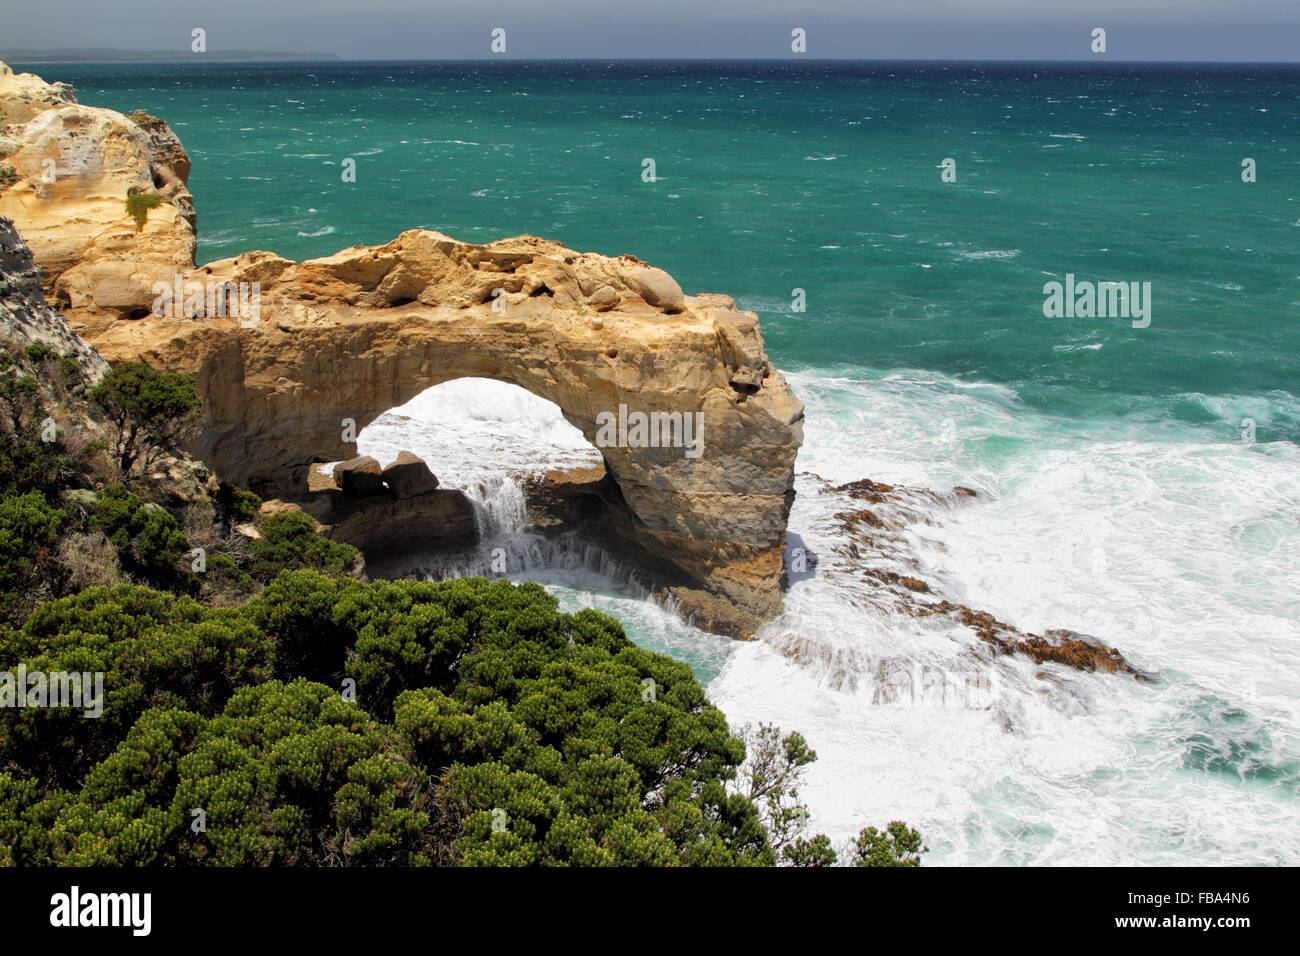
(338, 341)
(65, 172)
(325, 346)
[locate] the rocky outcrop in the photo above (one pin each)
(697, 430)
(26, 319)
(390, 512)
(65, 172)
(409, 476)
(359, 477)
(872, 532)
(385, 526)
(338, 341)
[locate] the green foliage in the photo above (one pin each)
(29, 529)
(289, 542)
(27, 524)
(771, 776)
(153, 412)
(803, 851)
(488, 728)
(233, 503)
(225, 578)
(148, 539)
(286, 774)
(154, 649)
(138, 206)
(899, 845)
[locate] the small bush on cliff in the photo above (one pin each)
(138, 206)
(234, 504)
(152, 412)
(29, 530)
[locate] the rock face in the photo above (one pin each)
(384, 526)
(65, 172)
(24, 316)
(698, 431)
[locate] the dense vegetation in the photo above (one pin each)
(263, 705)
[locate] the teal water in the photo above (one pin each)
(1117, 495)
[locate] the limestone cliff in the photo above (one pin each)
(324, 346)
(65, 173)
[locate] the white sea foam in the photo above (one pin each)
(1185, 554)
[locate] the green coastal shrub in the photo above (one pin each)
(289, 542)
(154, 650)
(898, 845)
(152, 412)
(234, 504)
(27, 524)
(148, 539)
(584, 764)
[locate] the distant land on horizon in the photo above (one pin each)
(109, 55)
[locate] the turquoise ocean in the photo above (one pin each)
(1141, 485)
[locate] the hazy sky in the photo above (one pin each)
(436, 29)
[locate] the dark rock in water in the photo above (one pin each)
(409, 476)
(359, 477)
(712, 614)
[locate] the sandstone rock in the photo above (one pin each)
(318, 480)
(409, 476)
(359, 477)
(275, 506)
(165, 149)
(23, 95)
(655, 286)
(77, 224)
(603, 299)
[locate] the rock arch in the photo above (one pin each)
(345, 338)
(356, 333)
